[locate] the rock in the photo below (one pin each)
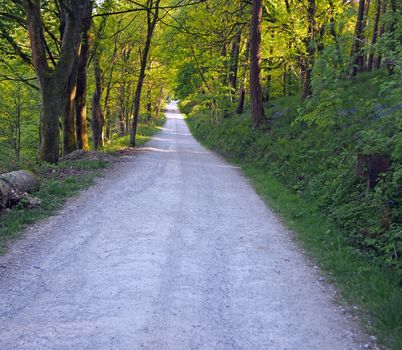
(32, 202)
(14, 187)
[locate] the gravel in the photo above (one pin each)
(173, 250)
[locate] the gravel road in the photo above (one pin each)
(173, 250)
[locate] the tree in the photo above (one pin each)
(308, 62)
(152, 9)
(357, 54)
(256, 96)
(54, 82)
(81, 93)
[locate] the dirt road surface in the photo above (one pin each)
(173, 251)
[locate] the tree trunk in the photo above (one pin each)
(242, 97)
(365, 22)
(149, 104)
(377, 61)
(234, 62)
(375, 35)
(357, 54)
(81, 95)
(242, 93)
(121, 109)
(308, 63)
(97, 120)
(68, 113)
(152, 18)
(53, 82)
(49, 122)
(256, 96)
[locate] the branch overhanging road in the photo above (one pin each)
(173, 251)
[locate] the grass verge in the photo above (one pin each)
(375, 290)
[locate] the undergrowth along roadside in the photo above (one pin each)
(62, 181)
(374, 289)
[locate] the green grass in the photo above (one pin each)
(362, 281)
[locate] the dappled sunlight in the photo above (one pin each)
(172, 132)
(163, 150)
(175, 116)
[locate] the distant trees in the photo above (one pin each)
(227, 54)
(281, 48)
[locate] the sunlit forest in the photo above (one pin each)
(306, 91)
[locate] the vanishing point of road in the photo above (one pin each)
(173, 250)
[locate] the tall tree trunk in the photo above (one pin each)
(81, 95)
(256, 96)
(152, 18)
(49, 121)
(242, 97)
(69, 130)
(308, 62)
(97, 120)
(234, 61)
(149, 104)
(53, 82)
(378, 59)
(242, 90)
(121, 109)
(357, 52)
(365, 23)
(375, 35)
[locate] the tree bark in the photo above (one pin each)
(152, 18)
(242, 90)
(375, 35)
(81, 95)
(308, 62)
(68, 113)
(97, 120)
(256, 96)
(378, 59)
(53, 82)
(234, 61)
(357, 54)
